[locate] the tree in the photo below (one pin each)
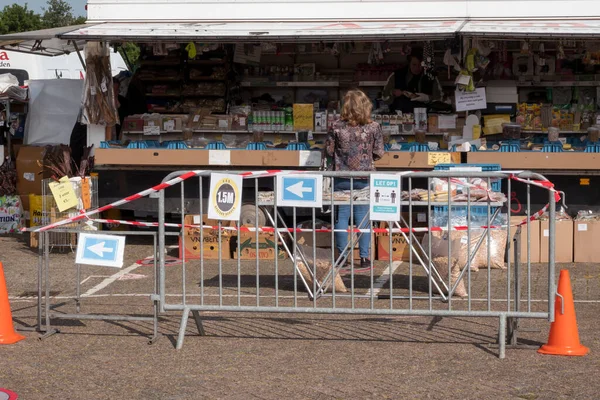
(131, 53)
(16, 18)
(58, 13)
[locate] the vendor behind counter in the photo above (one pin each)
(409, 87)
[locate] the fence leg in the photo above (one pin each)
(182, 326)
(196, 315)
(502, 337)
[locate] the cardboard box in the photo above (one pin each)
(585, 232)
(133, 123)
(29, 172)
(534, 228)
(564, 241)
(248, 245)
(400, 246)
(173, 123)
(210, 240)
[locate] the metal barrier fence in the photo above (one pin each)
(424, 284)
(46, 311)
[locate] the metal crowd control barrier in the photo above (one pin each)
(411, 288)
(46, 311)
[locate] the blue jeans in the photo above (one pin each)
(343, 218)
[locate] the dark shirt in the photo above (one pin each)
(406, 81)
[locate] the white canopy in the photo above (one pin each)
(44, 42)
(266, 31)
(534, 28)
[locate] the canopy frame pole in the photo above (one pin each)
(79, 55)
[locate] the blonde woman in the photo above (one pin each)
(355, 144)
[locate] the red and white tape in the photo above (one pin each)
(246, 175)
(269, 229)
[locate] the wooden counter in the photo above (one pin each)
(565, 162)
(246, 158)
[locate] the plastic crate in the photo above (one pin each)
(478, 212)
(417, 147)
(552, 147)
(144, 144)
(256, 146)
(175, 145)
(216, 146)
(297, 146)
(511, 146)
(106, 145)
(592, 147)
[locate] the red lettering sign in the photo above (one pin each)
(4, 56)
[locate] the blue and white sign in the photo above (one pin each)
(385, 197)
(300, 190)
(102, 250)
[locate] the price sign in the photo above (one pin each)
(304, 117)
(152, 130)
(64, 195)
(435, 158)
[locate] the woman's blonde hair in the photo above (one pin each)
(357, 108)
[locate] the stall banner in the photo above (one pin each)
(225, 202)
(385, 197)
(11, 214)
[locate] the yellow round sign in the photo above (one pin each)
(226, 197)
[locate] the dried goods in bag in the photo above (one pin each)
(462, 249)
(98, 101)
(323, 268)
(441, 265)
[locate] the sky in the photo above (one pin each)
(36, 5)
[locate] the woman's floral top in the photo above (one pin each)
(355, 148)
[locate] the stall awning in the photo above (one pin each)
(266, 31)
(43, 42)
(533, 28)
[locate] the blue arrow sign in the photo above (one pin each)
(300, 190)
(103, 250)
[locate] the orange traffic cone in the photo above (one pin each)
(7, 330)
(564, 336)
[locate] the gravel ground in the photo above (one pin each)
(280, 356)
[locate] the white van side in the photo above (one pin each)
(31, 66)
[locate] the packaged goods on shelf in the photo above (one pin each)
(240, 117)
(133, 123)
(204, 89)
(209, 73)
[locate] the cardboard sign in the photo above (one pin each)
(438, 158)
(63, 193)
(467, 101)
(10, 214)
(303, 117)
(86, 194)
(247, 54)
(385, 197)
(225, 200)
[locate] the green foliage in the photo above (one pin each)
(58, 13)
(130, 52)
(17, 18)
